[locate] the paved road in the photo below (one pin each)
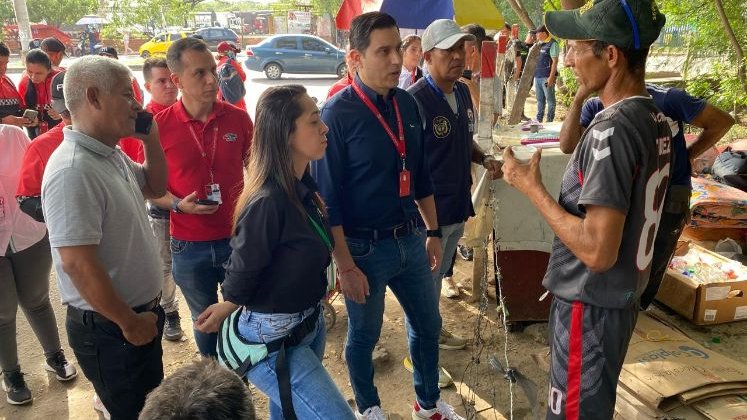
(256, 83)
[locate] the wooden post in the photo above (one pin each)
(487, 92)
(525, 84)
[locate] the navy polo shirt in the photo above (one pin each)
(359, 174)
(448, 144)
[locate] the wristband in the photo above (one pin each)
(435, 233)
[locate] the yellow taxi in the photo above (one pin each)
(160, 43)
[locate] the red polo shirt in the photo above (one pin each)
(35, 160)
(228, 131)
(155, 108)
(133, 147)
(339, 85)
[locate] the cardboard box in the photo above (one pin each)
(665, 369)
(703, 304)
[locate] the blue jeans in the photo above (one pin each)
(402, 265)
(314, 394)
(449, 241)
(544, 94)
(198, 270)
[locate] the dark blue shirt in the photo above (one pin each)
(448, 143)
(679, 108)
(359, 174)
(271, 232)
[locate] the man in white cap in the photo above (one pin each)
(449, 122)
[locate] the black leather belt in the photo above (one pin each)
(81, 315)
(399, 231)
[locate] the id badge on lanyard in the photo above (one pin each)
(212, 190)
(398, 141)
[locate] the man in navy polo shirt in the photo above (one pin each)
(449, 116)
(679, 107)
(375, 180)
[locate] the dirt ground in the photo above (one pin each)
(468, 367)
(477, 387)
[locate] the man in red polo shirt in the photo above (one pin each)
(163, 94)
(205, 142)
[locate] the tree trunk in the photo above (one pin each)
(24, 26)
(734, 43)
(571, 4)
(521, 12)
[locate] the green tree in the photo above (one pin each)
(329, 7)
(717, 28)
(6, 12)
(61, 12)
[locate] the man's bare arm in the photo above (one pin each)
(715, 124)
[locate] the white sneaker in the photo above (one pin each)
(449, 288)
(441, 411)
(98, 405)
(371, 413)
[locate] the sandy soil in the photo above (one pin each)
(468, 367)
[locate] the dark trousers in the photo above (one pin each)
(122, 374)
(673, 219)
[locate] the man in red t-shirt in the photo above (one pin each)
(205, 142)
(34, 90)
(38, 153)
(227, 54)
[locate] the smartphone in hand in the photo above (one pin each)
(30, 114)
(206, 202)
(143, 122)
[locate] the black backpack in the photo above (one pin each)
(230, 84)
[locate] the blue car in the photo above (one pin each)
(295, 54)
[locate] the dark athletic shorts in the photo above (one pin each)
(587, 350)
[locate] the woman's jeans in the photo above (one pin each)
(314, 394)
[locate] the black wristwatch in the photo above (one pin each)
(175, 206)
(435, 233)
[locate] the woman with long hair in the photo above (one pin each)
(281, 247)
(412, 55)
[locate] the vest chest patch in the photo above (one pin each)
(441, 127)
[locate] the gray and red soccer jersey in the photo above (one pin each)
(622, 163)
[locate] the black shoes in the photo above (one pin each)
(58, 364)
(15, 388)
(172, 330)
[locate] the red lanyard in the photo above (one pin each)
(202, 149)
(399, 142)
